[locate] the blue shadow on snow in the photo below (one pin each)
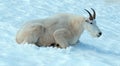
(83, 46)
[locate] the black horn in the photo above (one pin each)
(90, 16)
(94, 14)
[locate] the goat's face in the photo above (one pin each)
(90, 25)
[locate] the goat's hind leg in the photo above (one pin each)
(36, 32)
(31, 34)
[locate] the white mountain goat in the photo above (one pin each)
(60, 30)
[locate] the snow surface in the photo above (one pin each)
(103, 51)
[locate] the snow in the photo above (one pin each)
(103, 51)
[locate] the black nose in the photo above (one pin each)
(100, 33)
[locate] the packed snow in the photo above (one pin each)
(103, 51)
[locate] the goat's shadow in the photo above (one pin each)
(87, 47)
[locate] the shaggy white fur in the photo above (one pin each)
(60, 30)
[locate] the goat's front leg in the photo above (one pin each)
(62, 37)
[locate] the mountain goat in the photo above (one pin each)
(61, 30)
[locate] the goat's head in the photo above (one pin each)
(90, 24)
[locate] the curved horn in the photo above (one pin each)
(94, 14)
(90, 16)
